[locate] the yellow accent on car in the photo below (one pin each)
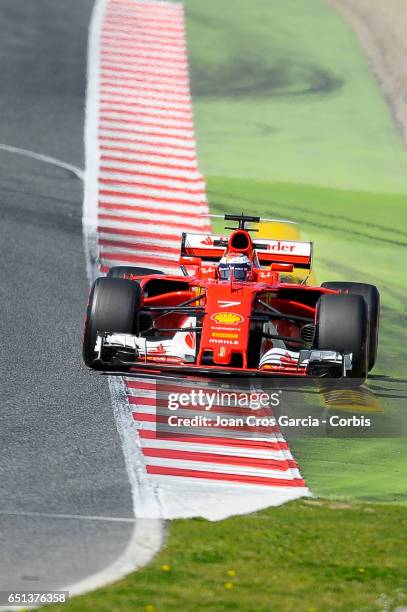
(227, 318)
(284, 231)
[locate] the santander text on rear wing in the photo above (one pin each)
(210, 248)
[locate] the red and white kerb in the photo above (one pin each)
(142, 189)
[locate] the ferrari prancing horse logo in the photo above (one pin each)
(227, 318)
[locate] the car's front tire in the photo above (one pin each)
(113, 306)
(372, 297)
(342, 326)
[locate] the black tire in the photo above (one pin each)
(372, 297)
(129, 271)
(342, 325)
(113, 306)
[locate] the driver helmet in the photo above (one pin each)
(240, 264)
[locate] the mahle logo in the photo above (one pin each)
(227, 318)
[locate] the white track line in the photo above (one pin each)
(73, 517)
(44, 158)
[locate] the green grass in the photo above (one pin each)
(301, 557)
(283, 92)
(365, 470)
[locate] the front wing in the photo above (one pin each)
(115, 349)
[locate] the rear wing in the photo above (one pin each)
(211, 248)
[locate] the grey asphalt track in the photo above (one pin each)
(59, 449)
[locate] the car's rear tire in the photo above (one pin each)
(130, 271)
(372, 297)
(342, 325)
(113, 306)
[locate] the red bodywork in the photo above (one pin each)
(230, 315)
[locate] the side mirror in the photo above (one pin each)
(189, 261)
(281, 267)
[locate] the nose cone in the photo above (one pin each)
(226, 325)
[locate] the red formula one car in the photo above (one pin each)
(232, 310)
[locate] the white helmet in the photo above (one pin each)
(238, 263)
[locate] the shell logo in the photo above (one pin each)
(228, 318)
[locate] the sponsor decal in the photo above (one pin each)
(210, 241)
(208, 271)
(166, 359)
(281, 246)
(264, 275)
(222, 328)
(287, 358)
(223, 335)
(228, 318)
(223, 341)
(160, 349)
